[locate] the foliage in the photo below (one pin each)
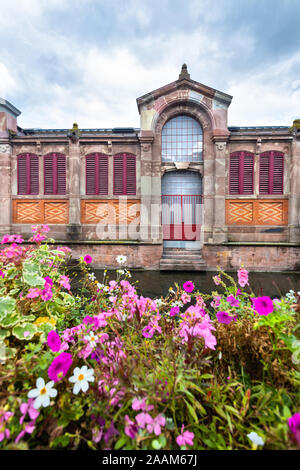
(106, 368)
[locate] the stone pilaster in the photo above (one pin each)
(219, 227)
(74, 229)
(5, 188)
(146, 187)
(294, 202)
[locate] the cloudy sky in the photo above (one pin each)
(88, 60)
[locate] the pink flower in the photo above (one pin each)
(131, 428)
(143, 419)
(65, 282)
(174, 311)
(188, 286)
(33, 293)
(60, 366)
(38, 238)
(294, 425)
(263, 305)
(28, 408)
(87, 259)
(1, 273)
(4, 417)
(185, 298)
(141, 405)
(185, 438)
(29, 428)
(243, 277)
(224, 317)
(155, 425)
(48, 280)
(47, 293)
(216, 302)
(217, 280)
(53, 341)
(150, 329)
(233, 301)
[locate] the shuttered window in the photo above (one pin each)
(97, 174)
(271, 166)
(124, 174)
(241, 173)
(28, 174)
(55, 173)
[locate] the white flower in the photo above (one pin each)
(81, 378)
(177, 303)
(159, 302)
(120, 271)
(91, 339)
(121, 259)
(92, 276)
(100, 286)
(42, 393)
(255, 438)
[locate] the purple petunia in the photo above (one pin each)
(263, 305)
(224, 317)
(294, 425)
(87, 259)
(60, 366)
(232, 301)
(53, 341)
(188, 286)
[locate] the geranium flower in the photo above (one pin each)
(48, 280)
(60, 366)
(188, 286)
(33, 293)
(174, 311)
(243, 277)
(42, 393)
(294, 425)
(65, 282)
(53, 341)
(81, 378)
(263, 305)
(186, 438)
(87, 259)
(224, 317)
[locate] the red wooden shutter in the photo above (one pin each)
(48, 174)
(102, 174)
(90, 171)
(247, 180)
(271, 167)
(61, 174)
(278, 167)
(130, 175)
(22, 174)
(118, 174)
(241, 173)
(28, 174)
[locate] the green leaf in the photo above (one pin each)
(10, 320)
(156, 445)
(24, 332)
(191, 411)
(7, 305)
(32, 274)
(120, 443)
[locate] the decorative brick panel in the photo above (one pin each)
(40, 212)
(110, 211)
(257, 212)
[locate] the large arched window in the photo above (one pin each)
(182, 140)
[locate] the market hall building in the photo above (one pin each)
(184, 191)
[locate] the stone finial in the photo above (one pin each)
(184, 73)
(74, 133)
(295, 129)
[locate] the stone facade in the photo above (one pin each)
(262, 231)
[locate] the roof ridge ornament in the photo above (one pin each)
(184, 75)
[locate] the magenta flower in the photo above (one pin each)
(188, 286)
(131, 428)
(243, 277)
(47, 293)
(174, 311)
(143, 419)
(53, 341)
(38, 237)
(233, 301)
(1, 273)
(48, 280)
(263, 305)
(33, 293)
(87, 259)
(4, 418)
(60, 366)
(294, 425)
(185, 438)
(155, 425)
(224, 317)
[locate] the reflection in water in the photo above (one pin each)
(156, 283)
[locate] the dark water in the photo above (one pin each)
(156, 283)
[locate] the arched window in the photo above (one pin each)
(55, 173)
(96, 171)
(182, 140)
(124, 174)
(28, 173)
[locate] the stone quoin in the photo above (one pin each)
(183, 191)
